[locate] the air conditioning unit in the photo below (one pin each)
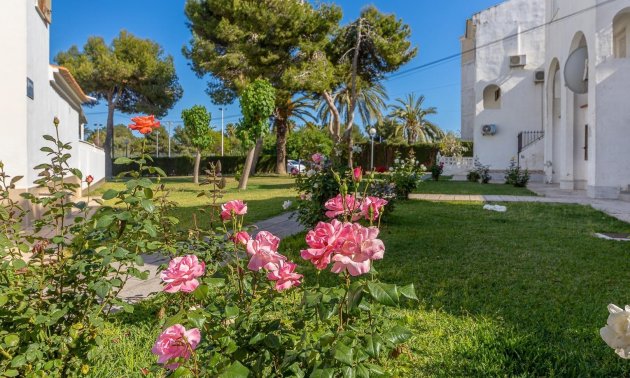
(518, 61)
(539, 77)
(489, 129)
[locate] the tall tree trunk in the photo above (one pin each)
(334, 126)
(257, 152)
(242, 184)
(109, 137)
(281, 145)
(197, 164)
(353, 92)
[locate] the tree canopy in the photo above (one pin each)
(197, 128)
(132, 75)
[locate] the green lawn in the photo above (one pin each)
(521, 293)
(465, 187)
(264, 196)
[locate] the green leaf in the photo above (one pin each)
(77, 173)
(231, 312)
(344, 354)
(123, 160)
(214, 282)
(409, 292)
(101, 288)
(110, 194)
(148, 193)
(348, 372)
(104, 221)
(3, 300)
(11, 340)
(147, 205)
(49, 138)
(47, 149)
(373, 345)
(398, 335)
(181, 372)
(11, 373)
(16, 179)
(385, 294)
(18, 361)
(18, 263)
(236, 370)
(201, 292)
(322, 373)
(160, 171)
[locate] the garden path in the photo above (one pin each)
(547, 194)
(136, 290)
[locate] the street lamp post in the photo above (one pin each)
(372, 135)
(169, 138)
(222, 132)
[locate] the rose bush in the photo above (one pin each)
(258, 315)
(60, 278)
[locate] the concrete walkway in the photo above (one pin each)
(547, 194)
(136, 290)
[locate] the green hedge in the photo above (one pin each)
(184, 165)
(385, 154)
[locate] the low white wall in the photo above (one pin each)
(91, 161)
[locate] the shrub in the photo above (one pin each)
(516, 176)
(183, 165)
(406, 174)
(479, 173)
(237, 306)
(451, 145)
(436, 171)
(60, 279)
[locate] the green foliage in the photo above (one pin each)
(60, 278)
(307, 141)
(257, 105)
(452, 146)
(436, 171)
(249, 328)
(182, 165)
(516, 176)
(132, 73)
(406, 174)
(384, 46)
(197, 126)
(245, 40)
(412, 115)
(479, 173)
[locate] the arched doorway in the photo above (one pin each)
(578, 110)
(554, 131)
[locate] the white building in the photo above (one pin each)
(33, 92)
(519, 78)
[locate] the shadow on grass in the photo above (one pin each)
(533, 282)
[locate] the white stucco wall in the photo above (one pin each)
(521, 97)
(564, 115)
(13, 73)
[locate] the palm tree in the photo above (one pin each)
(412, 115)
(286, 114)
(370, 102)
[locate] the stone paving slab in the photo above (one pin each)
(136, 290)
(546, 194)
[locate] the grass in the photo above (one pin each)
(465, 187)
(264, 196)
(521, 293)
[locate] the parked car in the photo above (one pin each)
(295, 167)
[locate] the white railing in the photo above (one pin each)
(454, 166)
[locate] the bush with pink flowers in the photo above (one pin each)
(254, 312)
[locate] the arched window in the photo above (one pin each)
(492, 97)
(621, 34)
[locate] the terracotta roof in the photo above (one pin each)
(67, 76)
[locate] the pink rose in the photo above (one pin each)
(360, 247)
(357, 174)
(372, 207)
(336, 206)
(175, 342)
(233, 208)
(285, 276)
(241, 237)
(264, 252)
(323, 241)
(317, 158)
(182, 274)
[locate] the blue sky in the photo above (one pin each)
(436, 27)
